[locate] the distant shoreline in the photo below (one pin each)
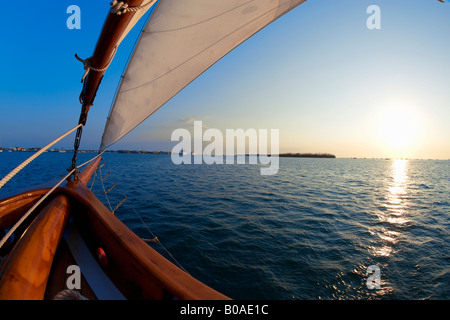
(281, 155)
(307, 155)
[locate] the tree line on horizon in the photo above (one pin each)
(307, 155)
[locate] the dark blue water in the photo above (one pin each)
(309, 232)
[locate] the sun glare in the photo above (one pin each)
(398, 129)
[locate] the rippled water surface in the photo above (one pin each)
(309, 232)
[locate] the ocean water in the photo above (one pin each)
(309, 232)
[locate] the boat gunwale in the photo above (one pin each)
(12, 208)
(25, 272)
(145, 260)
(145, 265)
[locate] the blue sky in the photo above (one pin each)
(318, 74)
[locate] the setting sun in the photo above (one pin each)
(398, 128)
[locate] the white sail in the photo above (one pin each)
(182, 39)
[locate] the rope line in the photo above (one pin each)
(104, 190)
(119, 7)
(68, 294)
(93, 179)
(88, 66)
(18, 223)
(155, 238)
(34, 156)
(85, 163)
(119, 204)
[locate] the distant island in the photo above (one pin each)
(285, 155)
(307, 155)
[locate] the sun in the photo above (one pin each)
(398, 128)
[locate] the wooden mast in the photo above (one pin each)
(113, 29)
(95, 66)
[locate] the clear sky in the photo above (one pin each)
(318, 74)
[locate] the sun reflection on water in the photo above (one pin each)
(397, 193)
(395, 208)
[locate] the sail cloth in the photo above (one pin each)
(181, 40)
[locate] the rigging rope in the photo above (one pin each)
(103, 186)
(120, 8)
(34, 156)
(93, 180)
(68, 294)
(18, 223)
(119, 204)
(88, 66)
(155, 238)
(85, 163)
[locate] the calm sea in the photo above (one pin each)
(309, 232)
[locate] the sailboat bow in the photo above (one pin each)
(71, 231)
(73, 228)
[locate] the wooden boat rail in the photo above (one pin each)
(136, 269)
